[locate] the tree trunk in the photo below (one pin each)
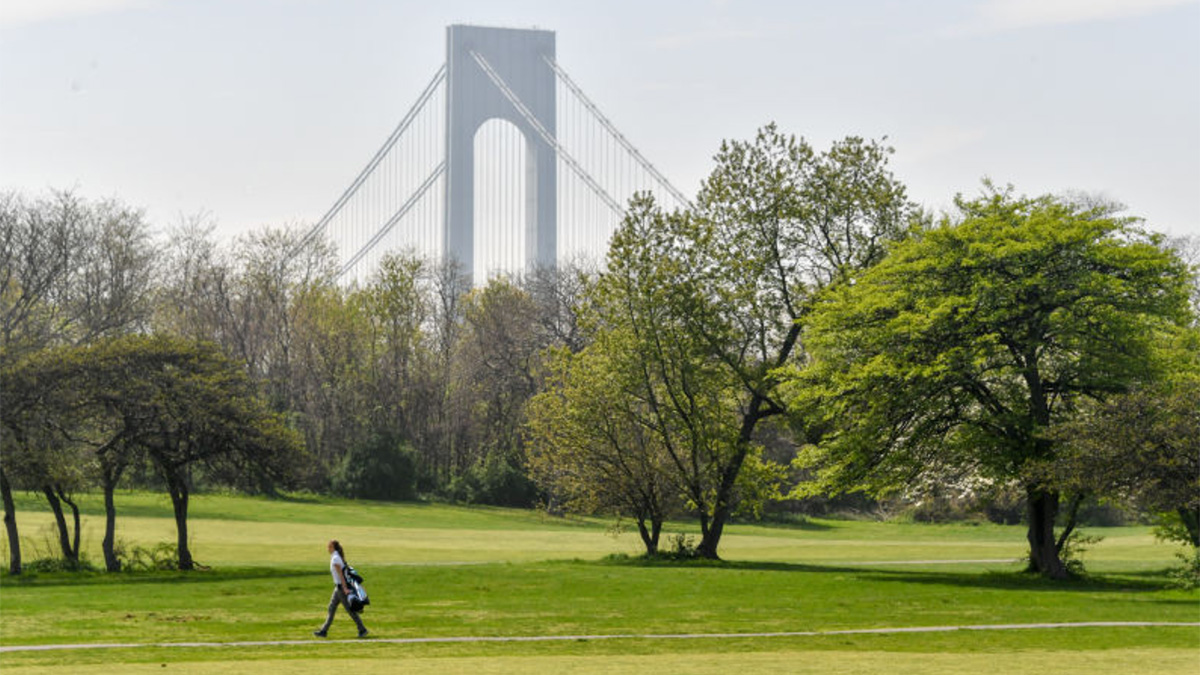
(710, 538)
(64, 535)
(111, 470)
(75, 519)
(1042, 509)
(723, 500)
(1191, 521)
(644, 532)
(177, 485)
(1072, 520)
(10, 525)
(110, 526)
(760, 409)
(650, 535)
(722, 505)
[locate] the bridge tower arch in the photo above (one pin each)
(520, 58)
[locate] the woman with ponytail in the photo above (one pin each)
(341, 590)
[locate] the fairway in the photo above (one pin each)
(466, 576)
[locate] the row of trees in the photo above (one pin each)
(1004, 345)
(410, 382)
(803, 329)
(78, 416)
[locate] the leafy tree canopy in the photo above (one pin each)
(963, 346)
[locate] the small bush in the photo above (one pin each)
(1186, 576)
(1073, 549)
(162, 556)
(682, 547)
(42, 565)
(1169, 526)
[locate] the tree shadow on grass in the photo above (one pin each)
(1132, 582)
(30, 580)
(1024, 581)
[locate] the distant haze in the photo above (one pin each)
(260, 112)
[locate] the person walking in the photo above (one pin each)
(341, 589)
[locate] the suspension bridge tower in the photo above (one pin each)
(476, 57)
(502, 164)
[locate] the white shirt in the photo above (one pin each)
(336, 565)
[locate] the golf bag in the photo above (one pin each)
(357, 599)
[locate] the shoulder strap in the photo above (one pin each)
(345, 566)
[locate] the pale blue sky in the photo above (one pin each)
(262, 111)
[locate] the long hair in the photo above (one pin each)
(338, 547)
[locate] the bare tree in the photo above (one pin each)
(275, 267)
(445, 450)
(39, 246)
(70, 272)
(111, 289)
(558, 293)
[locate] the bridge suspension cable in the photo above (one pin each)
(430, 89)
(608, 126)
(545, 135)
(391, 223)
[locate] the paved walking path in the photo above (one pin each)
(623, 636)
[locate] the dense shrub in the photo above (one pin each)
(1003, 505)
(818, 506)
(1105, 513)
(382, 468)
(495, 480)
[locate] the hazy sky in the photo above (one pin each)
(262, 111)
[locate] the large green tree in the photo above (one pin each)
(39, 455)
(397, 306)
(593, 441)
(1142, 446)
(958, 352)
(183, 404)
(775, 222)
(59, 437)
(186, 405)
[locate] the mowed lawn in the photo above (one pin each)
(441, 572)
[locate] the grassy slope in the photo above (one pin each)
(238, 531)
(271, 582)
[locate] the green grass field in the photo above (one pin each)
(440, 572)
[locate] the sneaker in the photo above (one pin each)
(319, 633)
(363, 633)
